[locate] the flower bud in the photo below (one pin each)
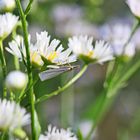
(16, 80)
(7, 5)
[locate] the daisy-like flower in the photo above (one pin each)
(117, 35)
(83, 48)
(55, 134)
(134, 7)
(7, 4)
(8, 22)
(12, 116)
(17, 48)
(52, 52)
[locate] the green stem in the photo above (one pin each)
(27, 10)
(16, 62)
(12, 96)
(124, 77)
(29, 69)
(4, 69)
(75, 78)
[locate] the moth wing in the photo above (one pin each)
(48, 74)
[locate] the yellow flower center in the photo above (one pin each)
(52, 56)
(35, 58)
(90, 54)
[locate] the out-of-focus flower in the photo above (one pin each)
(135, 7)
(119, 49)
(7, 5)
(55, 134)
(69, 24)
(62, 13)
(83, 48)
(8, 22)
(52, 52)
(17, 48)
(12, 116)
(76, 27)
(16, 80)
(117, 35)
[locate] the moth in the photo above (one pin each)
(55, 71)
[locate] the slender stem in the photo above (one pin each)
(4, 69)
(27, 10)
(29, 69)
(12, 96)
(75, 78)
(16, 62)
(124, 77)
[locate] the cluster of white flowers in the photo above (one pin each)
(45, 51)
(55, 134)
(8, 22)
(12, 116)
(51, 52)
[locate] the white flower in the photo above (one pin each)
(119, 49)
(82, 47)
(16, 80)
(8, 22)
(52, 51)
(134, 6)
(117, 35)
(17, 48)
(12, 116)
(7, 4)
(55, 134)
